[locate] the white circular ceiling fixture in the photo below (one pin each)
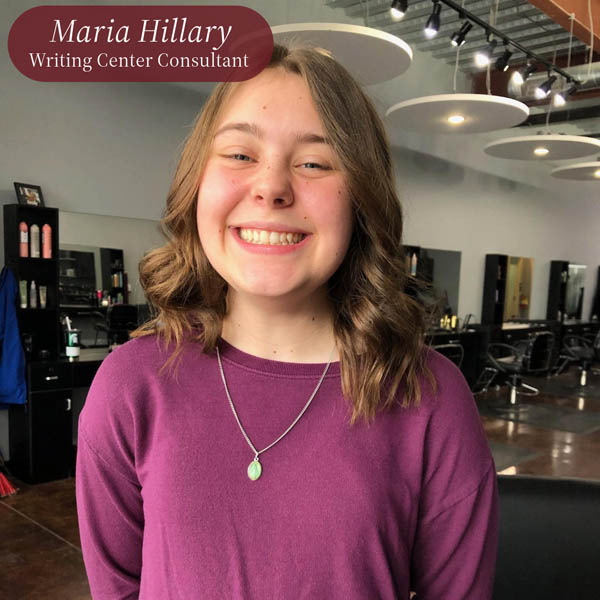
(588, 171)
(371, 55)
(543, 147)
(457, 113)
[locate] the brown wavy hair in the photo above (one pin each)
(379, 328)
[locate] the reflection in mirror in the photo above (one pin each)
(518, 288)
(439, 273)
(80, 274)
(441, 269)
(575, 287)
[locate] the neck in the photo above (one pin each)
(292, 331)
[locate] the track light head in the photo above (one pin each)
(502, 62)
(560, 99)
(483, 57)
(433, 23)
(398, 8)
(543, 89)
(522, 75)
(459, 37)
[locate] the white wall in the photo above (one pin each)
(451, 207)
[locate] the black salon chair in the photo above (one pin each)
(455, 352)
(511, 362)
(576, 350)
(538, 351)
(549, 540)
(595, 340)
(121, 319)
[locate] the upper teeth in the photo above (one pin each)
(260, 236)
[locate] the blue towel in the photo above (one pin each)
(12, 359)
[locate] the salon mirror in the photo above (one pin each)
(575, 288)
(80, 274)
(440, 271)
(83, 270)
(519, 274)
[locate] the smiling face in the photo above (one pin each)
(271, 172)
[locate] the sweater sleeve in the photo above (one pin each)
(109, 500)
(454, 551)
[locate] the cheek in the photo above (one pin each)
(339, 214)
(331, 209)
(217, 195)
(344, 221)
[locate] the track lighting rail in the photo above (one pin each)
(465, 14)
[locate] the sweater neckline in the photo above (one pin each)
(275, 367)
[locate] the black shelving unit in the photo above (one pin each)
(39, 327)
(40, 431)
(596, 302)
(494, 289)
(557, 290)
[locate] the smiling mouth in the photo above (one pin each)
(263, 237)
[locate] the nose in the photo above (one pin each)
(272, 185)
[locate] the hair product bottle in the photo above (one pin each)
(46, 241)
(23, 239)
(34, 231)
(413, 264)
(43, 291)
(23, 292)
(32, 296)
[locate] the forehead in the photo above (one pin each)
(274, 96)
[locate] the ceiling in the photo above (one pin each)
(518, 19)
(435, 60)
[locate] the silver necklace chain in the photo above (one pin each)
(257, 452)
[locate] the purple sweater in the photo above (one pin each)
(167, 511)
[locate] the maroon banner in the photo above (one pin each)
(140, 43)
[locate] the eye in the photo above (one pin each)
(242, 157)
(314, 165)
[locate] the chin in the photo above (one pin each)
(272, 291)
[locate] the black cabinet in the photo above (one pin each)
(494, 289)
(41, 431)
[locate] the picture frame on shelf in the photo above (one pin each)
(29, 194)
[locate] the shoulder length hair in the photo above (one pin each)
(379, 329)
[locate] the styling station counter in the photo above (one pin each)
(515, 333)
(41, 431)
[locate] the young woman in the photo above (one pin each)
(279, 430)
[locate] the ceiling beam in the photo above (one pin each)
(560, 10)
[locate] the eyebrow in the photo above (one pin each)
(256, 131)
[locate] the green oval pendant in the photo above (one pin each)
(254, 469)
